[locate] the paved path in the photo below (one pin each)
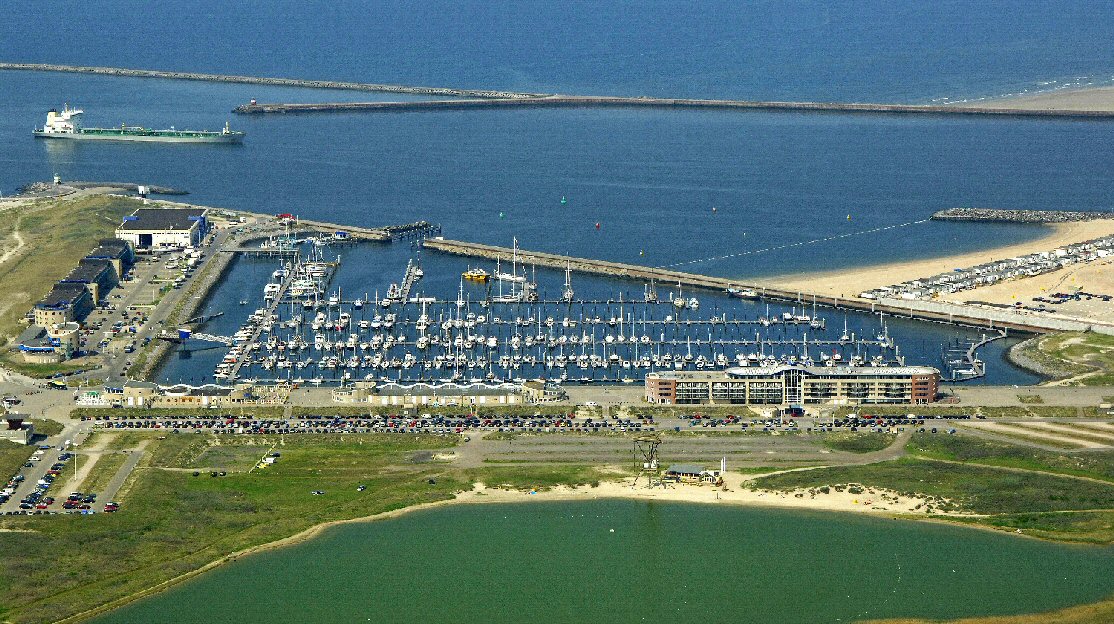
(112, 490)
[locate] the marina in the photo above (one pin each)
(507, 328)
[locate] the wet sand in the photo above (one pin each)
(1094, 99)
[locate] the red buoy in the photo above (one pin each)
(597, 225)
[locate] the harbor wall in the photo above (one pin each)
(941, 312)
(486, 98)
(577, 101)
(1001, 215)
(280, 82)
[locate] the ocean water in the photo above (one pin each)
(650, 179)
(896, 50)
(626, 561)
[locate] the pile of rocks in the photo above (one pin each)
(1018, 216)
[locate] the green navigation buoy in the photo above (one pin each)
(563, 200)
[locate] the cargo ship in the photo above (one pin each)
(65, 125)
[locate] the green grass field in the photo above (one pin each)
(105, 468)
(1085, 355)
(970, 449)
(859, 442)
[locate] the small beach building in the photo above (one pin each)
(691, 473)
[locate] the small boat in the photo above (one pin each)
(742, 293)
(476, 275)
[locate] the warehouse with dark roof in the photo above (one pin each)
(164, 228)
(98, 275)
(64, 303)
(118, 252)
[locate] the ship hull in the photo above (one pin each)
(146, 138)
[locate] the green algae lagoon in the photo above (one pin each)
(633, 561)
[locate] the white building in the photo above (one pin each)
(164, 228)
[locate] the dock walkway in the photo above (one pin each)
(940, 312)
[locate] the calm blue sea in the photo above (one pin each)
(792, 192)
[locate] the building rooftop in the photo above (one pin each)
(34, 337)
(62, 294)
(449, 389)
(110, 248)
(205, 390)
(685, 469)
(161, 219)
(88, 270)
(815, 371)
(835, 370)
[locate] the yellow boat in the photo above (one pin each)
(476, 275)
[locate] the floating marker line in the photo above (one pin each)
(797, 244)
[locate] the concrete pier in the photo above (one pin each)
(939, 312)
(579, 101)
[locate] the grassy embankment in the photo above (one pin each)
(46, 426)
(173, 523)
(1044, 494)
(1015, 411)
(1095, 613)
(56, 234)
(864, 442)
(12, 458)
(1085, 358)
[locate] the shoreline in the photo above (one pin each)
(848, 283)
(1087, 98)
(906, 508)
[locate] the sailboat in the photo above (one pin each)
(567, 294)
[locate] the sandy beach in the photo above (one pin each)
(1095, 99)
(850, 282)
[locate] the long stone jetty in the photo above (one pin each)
(588, 101)
(280, 82)
(486, 98)
(941, 312)
(1018, 216)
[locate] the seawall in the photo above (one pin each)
(580, 101)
